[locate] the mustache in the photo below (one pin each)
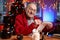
(32, 13)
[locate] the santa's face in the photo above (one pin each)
(31, 10)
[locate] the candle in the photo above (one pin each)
(35, 35)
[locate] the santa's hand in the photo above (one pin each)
(48, 24)
(40, 28)
(37, 22)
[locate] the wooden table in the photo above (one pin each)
(29, 38)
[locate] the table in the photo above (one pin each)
(29, 38)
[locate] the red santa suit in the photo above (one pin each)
(21, 25)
